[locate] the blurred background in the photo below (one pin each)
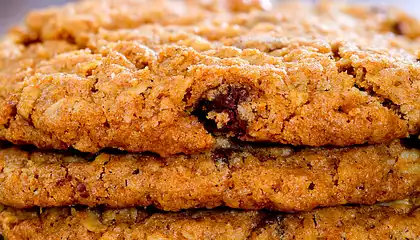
(12, 11)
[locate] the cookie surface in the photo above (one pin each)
(400, 220)
(168, 77)
(247, 177)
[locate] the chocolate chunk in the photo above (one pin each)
(397, 28)
(311, 186)
(227, 103)
(81, 188)
(221, 155)
(230, 100)
(187, 95)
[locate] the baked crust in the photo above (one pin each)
(398, 220)
(247, 177)
(167, 77)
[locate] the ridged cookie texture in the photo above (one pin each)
(169, 77)
(397, 220)
(245, 177)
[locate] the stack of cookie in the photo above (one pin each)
(220, 119)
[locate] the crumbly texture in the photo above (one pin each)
(400, 220)
(167, 77)
(246, 178)
(66, 223)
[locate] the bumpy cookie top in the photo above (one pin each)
(171, 76)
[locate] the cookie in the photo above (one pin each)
(118, 74)
(247, 177)
(399, 220)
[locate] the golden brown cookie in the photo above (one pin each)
(398, 220)
(247, 177)
(167, 77)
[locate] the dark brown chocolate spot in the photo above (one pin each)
(27, 41)
(397, 28)
(311, 186)
(187, 95)
(387, 103)
(231, 99)
(81, 189)
(135, 172)
(93, 89)
(70, 39)
(221, 156)
(226, 103)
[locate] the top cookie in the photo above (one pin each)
(171, 76)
